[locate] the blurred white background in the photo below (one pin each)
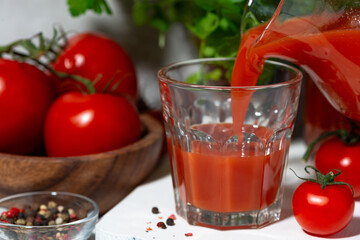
(24, 18)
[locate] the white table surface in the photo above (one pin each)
(131, 218)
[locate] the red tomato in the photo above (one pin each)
(333, 154)
(323, 211)
(99, 58)
(25, 97)
(80, 124)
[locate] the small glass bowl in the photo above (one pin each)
(77, 230)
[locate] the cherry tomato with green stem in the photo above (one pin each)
(323, 206)
(339, 149)
(82, 124)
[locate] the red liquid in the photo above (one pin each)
(226, 177)
(324, 47)
(319, 115)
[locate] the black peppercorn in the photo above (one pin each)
(161, 225)
(29, 212)
(21, 215)
(155, 210)
(170, 222)
(37, 223)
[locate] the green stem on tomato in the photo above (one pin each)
(7, 48)
(86, 82)
(350, 137)
(347, 137)
(323, 180)
(106, 6)
(316, 141)
(45, 47)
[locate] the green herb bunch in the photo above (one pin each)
(215, 23)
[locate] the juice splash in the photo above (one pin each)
(324, 45)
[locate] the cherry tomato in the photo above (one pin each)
(79, 124)
(323, 211)
(25, 97)
(98, 58)
(333, 154)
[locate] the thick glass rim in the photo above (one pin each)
(162, 75)
(91, 217)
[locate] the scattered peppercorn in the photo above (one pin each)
(170, 222)
(161, 225)
(155, 210)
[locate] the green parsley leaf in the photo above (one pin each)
(205, 26)
(79, 7)
(194, 78)
(207, 5)
(140, 12)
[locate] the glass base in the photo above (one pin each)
(230, 220)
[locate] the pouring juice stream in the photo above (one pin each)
(325, 45)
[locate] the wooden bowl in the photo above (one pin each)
(105, 177)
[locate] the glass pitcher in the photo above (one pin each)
(322, 37)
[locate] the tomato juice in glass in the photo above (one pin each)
(228, 146)
(210, 170)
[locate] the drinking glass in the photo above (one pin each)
(228, 146)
